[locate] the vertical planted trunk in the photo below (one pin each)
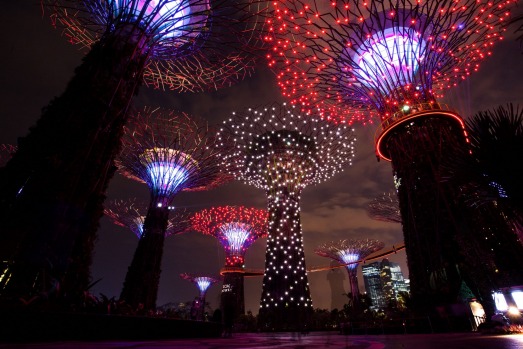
(428, 208)
(51, 192)
(143, 277)
(285, 301)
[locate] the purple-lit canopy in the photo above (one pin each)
(131, 214)
(349, 257)
(236, 227)
(189, 45)
(202, 282)
(236, 235)
(349, 250)
(389, 58)
(170, 152)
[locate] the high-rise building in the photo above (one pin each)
(383, 282)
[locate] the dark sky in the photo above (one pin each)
(35, 65)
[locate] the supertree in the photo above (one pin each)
(281, 151)
(63, 166)
(131, 214)
(203, 283)
(169, 152)
(6, 153)
(352, 60)
(237, 228)
(491, 194)
(350, 252)
(385, 208)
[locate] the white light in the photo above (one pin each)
(518, 298)
(500, 301)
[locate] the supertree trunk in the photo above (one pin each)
(58, 177)
(286, 298)
(354, 288)
(428, 208)
(233, 297)
(143, 277)
(494, 254)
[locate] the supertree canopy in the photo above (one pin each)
(236, 227)
(281, 151)
(385, 208)
(62, 168)
(131, 214)
(188, 45)
(353, 59)
(203, 283)
(169, 152)
(6, 153)
(350, 252)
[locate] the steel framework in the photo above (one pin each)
(169, 152)
(281, 151)
(350, 252)
(385, 208)
(237, 228)
(203, 282)
(130, 214)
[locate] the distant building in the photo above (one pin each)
(383, 282)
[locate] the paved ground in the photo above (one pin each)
(314, 340)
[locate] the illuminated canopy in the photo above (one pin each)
(236, 227)
(389, 58)
(171, 152)
(351, 60)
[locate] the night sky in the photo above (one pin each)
(35, 65)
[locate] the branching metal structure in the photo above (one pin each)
(189, 45)
(6, 153)
(203, 283)
(131, 214)
(281, 151)
(184, 45)
(353, 60)
(237, 228)
(350, 251)
(169, 152)
(385, 208)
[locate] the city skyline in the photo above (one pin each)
(37, 65)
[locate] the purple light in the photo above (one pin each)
(349, 257)
(394, 53)
(203, 283)
(236, 234)
(168, 18)
(165, 176)
(138, 226)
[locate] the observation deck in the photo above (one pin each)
(407, 116)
